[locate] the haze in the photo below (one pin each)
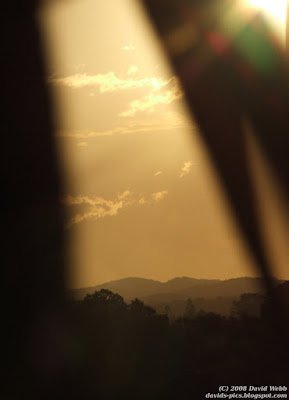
(141, 196)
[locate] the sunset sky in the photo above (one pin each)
(141, 195)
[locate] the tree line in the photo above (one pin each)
(130, 351)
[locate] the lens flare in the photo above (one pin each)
(276, 8)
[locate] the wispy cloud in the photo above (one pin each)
(186, 168)
(109, 82)
(158, 173)
(154, 98)
(159, 195)
(99, 207)
(142, 200)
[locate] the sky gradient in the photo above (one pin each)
(141, 196)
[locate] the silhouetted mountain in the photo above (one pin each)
(230, 287)
(183, 283)
(128, 288)
(158, 294)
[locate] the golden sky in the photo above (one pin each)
(141, 195)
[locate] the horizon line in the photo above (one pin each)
(159, 281)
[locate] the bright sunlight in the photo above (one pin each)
(276, 8)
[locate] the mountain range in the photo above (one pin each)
(207, 294)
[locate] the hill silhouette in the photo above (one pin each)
(210, 295)
(177, 288)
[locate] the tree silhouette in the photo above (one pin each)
(249, 305)
(104, 299)
(248, 70)
(137, 307)
(181, 360)
(189, 309)
(168, 311)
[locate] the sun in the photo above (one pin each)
(276, 8)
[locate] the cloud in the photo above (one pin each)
(158, 173)
(128, 47)
(186, 168)
(132, 69)
(109, 82)
(142, 200)
(160, 91)
(124, 194)
(99, 207)
(148, 102)
(159, 195)
(82, 144)
(78, 200)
